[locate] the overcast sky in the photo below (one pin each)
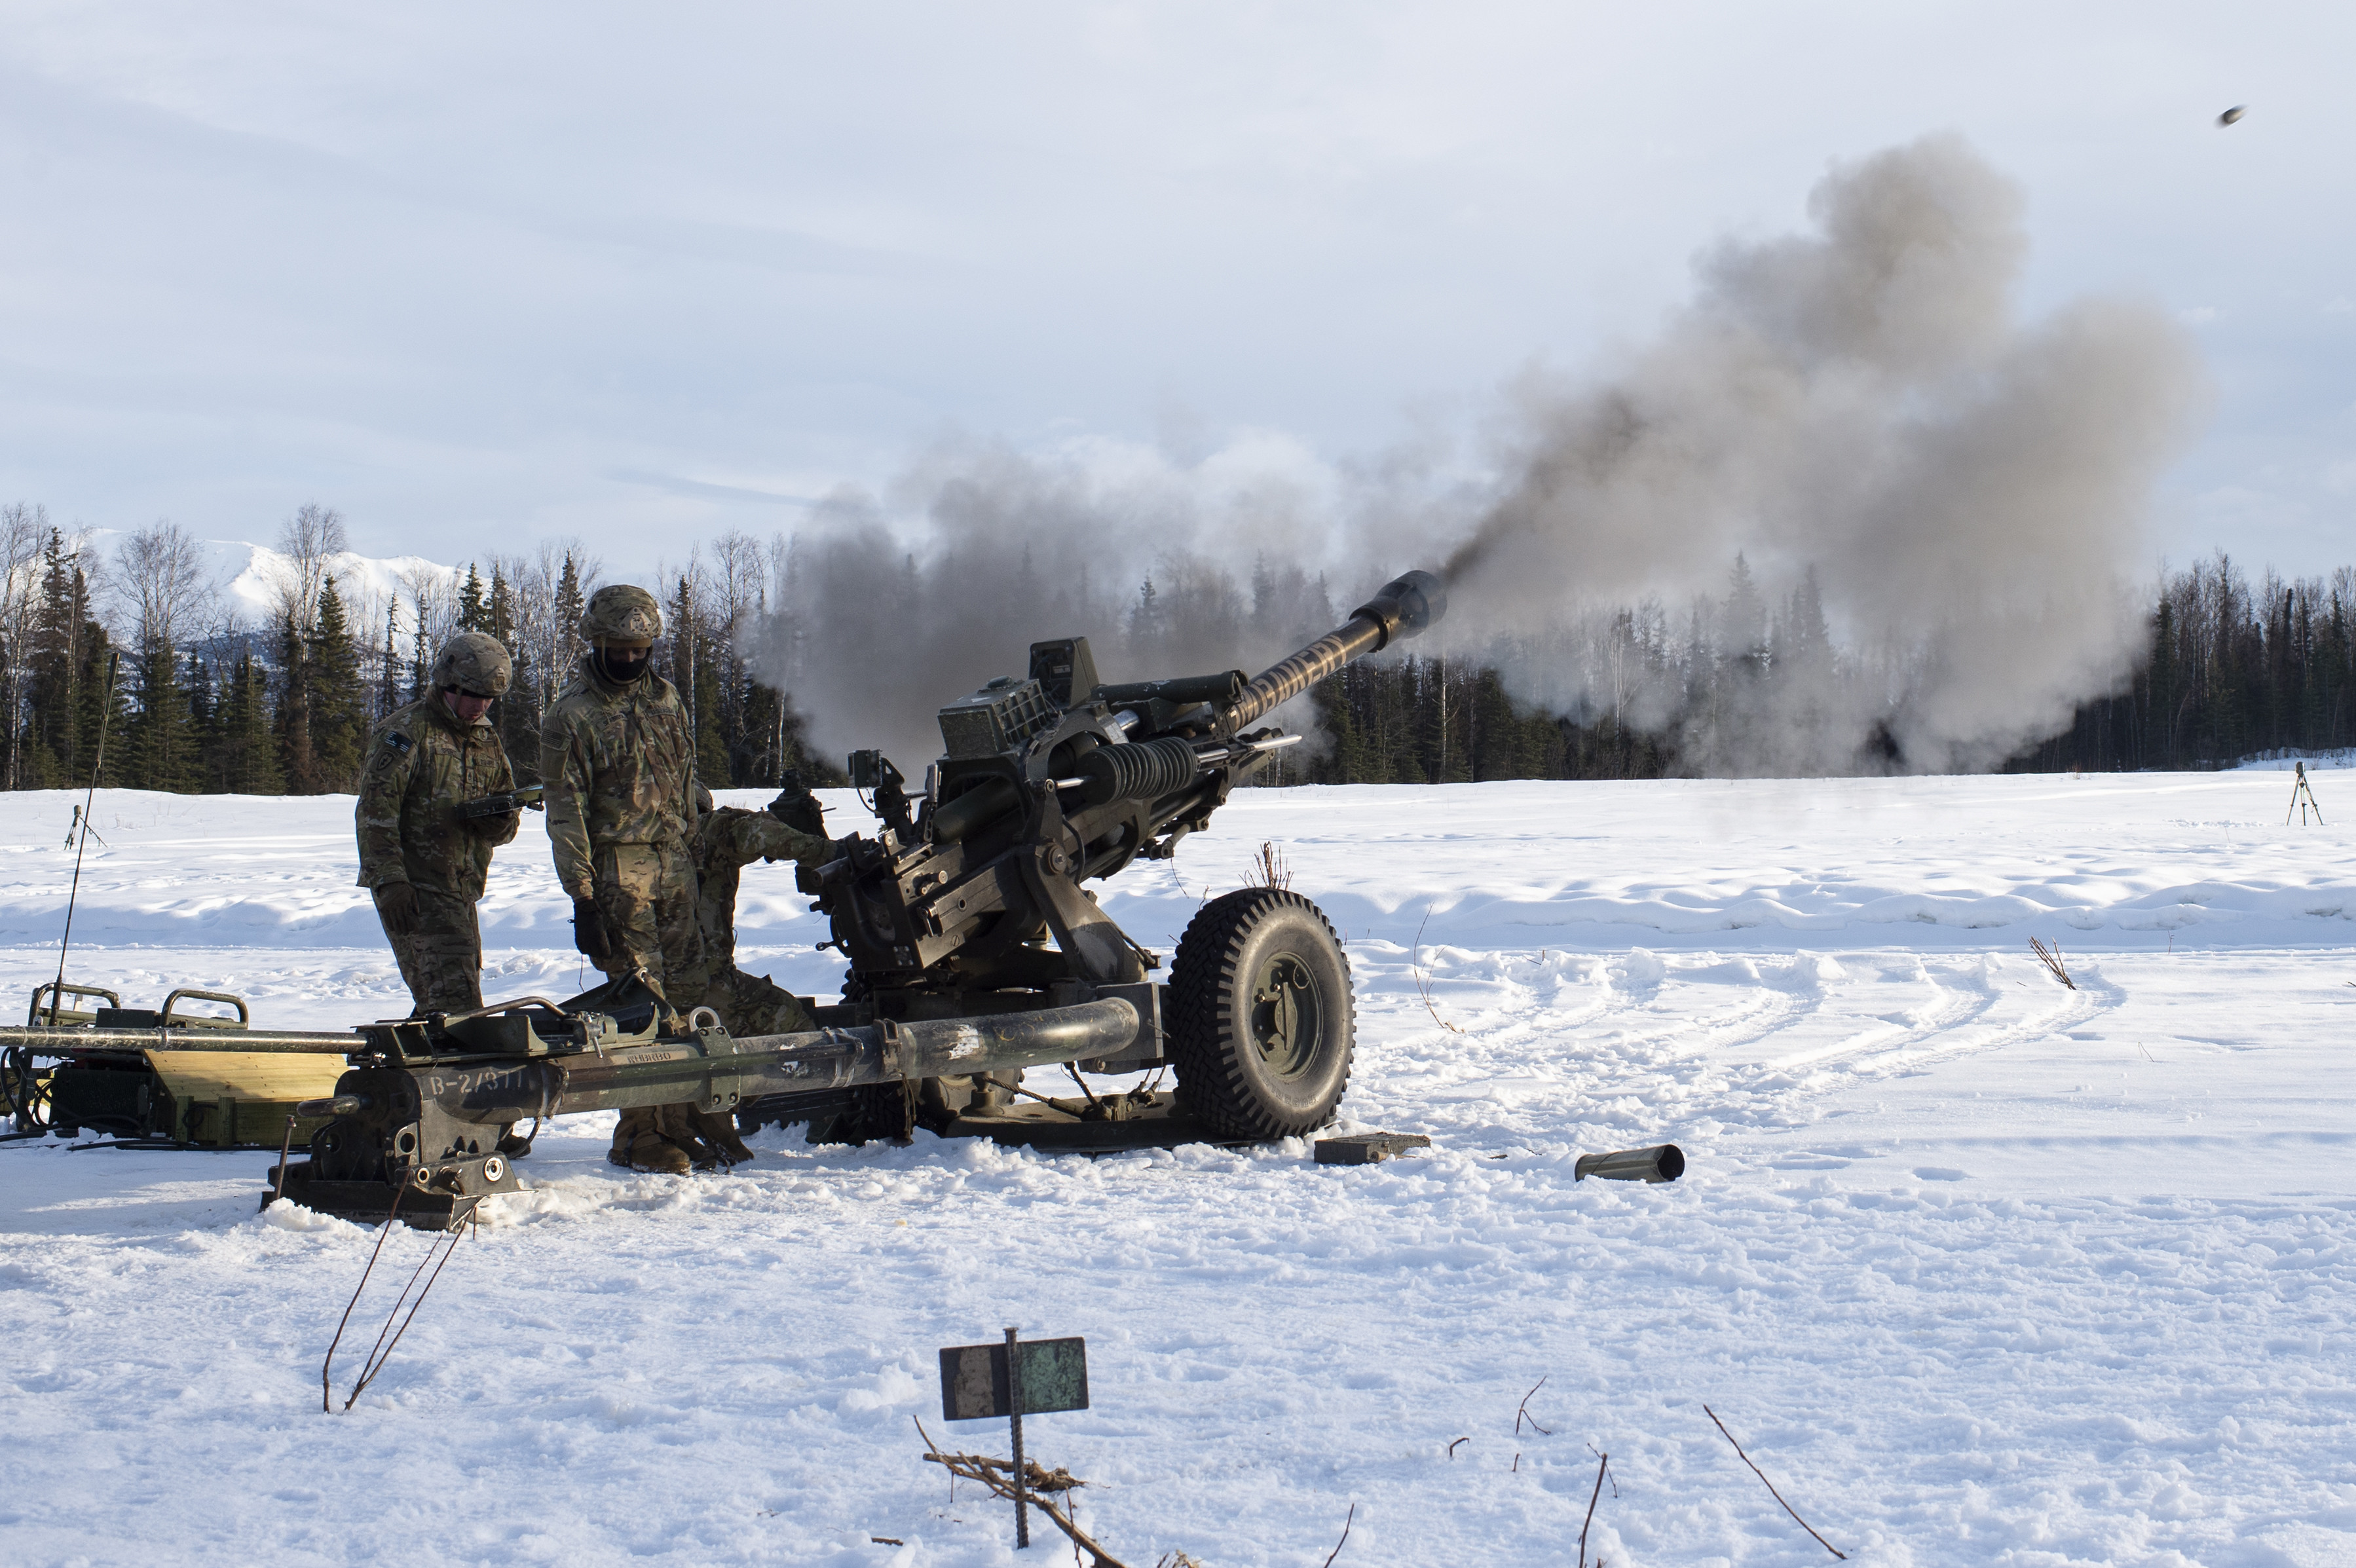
(475, 274)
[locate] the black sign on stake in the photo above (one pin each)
(982, 1383)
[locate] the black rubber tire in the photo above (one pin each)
(1229, 1077)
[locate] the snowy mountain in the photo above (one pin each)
(249, 574)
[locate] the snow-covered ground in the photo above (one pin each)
(1980, 1269)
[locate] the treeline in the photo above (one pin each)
(2233, 671)
(278, 694)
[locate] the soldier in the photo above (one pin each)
(424, 864)
(728, 839)
(618, 763)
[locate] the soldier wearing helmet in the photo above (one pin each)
(727, 839)
(618, 762)
(423, 862)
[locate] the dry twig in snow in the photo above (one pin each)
(1415, 967)
(998, 1475)
(1523, 1414)
(1603, 1463)
(1346, 1536)
(1771, 1492)
(2052, 957)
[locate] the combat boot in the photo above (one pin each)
(718, 1130)
(651, 1151)
(639, 1145)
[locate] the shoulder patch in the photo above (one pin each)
(398, 741)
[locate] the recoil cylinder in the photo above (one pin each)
(1144, 771)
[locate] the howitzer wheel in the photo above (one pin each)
(1261, 1026)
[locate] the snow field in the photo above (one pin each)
(1979, 1269)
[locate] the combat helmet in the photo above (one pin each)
(621, 615)
(476, 663)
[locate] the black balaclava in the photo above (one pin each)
(623, 665)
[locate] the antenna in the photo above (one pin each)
(105, 712)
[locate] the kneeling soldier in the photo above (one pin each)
(727, 839)
(424, 862)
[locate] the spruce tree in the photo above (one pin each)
(298, 763)
(711, 765)
(244, 760)
(48, 738)
(203, 721)
(499, 609)
(100, 709)
(421, 665)
(472, 615)
(158, 738)
(68, 645)
(568, 606)
(338, 700)
(388, 691)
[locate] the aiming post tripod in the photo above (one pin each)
(2302, 799)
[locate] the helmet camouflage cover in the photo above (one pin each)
(475, 663)
(619, 613)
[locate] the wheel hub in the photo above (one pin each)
(1287, 1013)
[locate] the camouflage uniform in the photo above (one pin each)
(619, 767)
(421, 762)
(727, 841)
(618, 764)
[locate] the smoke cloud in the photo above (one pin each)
(1858, 413)
(1935, 506)
(1168, 567)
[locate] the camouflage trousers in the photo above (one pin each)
(647, 893)
(751, 1005)
(441, 961)
(706, 1138)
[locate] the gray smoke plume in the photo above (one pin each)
(1934, 505)
(1858, 413)
(1169, 568)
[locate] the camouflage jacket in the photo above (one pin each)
(421, 762)
(619, 767)
(727, 841)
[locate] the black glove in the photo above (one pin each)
(397, 907)
(798, 809)
(589, 935)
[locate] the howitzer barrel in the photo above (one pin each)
(673, 1071)
(1403, 607)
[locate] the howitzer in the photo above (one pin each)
(504, 803)
(969, 899)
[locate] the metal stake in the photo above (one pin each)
(1014, 1420)
(285, 1152)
